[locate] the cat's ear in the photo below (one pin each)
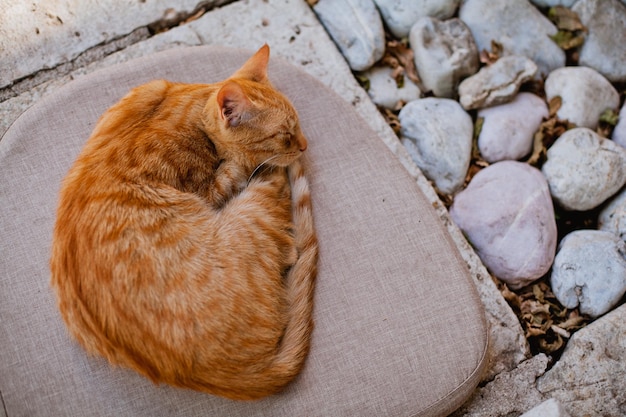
(255, 68)
(235, 107)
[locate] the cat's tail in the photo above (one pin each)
(300, 280)
(270, 377)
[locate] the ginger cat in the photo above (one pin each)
(172, 256)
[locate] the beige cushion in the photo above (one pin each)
(399, 326)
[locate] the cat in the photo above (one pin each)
(174, 255)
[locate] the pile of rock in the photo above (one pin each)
(506, 210)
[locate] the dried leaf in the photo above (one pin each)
(538, 307)
(403, 55)
(474, 169)
(390, 61)
(548, 133)
(446, 199)
(610, 117)
(398, 75)
(560, 331)
(510, 296)
(534, 332)
(558, 310)
(195, 16)
(489, 57)
(568, 40)
(363, 81)
(538, 292)
(539, 150)
(574, 321)
(554, 105)
(391, 118)
(551, 346)
(399, 105)
(486, 58)
(565, 19)
(478, 127)
(476, 162)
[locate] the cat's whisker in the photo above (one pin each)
(259, 167)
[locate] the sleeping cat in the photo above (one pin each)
(173, 255)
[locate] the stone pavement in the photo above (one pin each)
(46, 44)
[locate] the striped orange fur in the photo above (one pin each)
(171, 258)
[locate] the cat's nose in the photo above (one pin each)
(302, 144)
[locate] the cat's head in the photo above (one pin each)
(249, 119)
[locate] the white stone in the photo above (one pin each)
(589, 271)
(518, 26)
(619, 132)
(584, 93)
(507, 215)
(497, 83)
(508, 129)
(384, 90)
(445, 53)
(612, 218)
(400, 15)
(356, 28)
(605, 46)
(437, 133)
(589, 378)
(549, 408)
(584, 169)
(37, 35)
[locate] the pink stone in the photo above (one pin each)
(507, 215)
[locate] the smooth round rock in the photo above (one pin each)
(400, 15)
(612, 218)
(497, 83)
(605, 42)
(507, 215)
(589, 271)
(584, 169)
(437, 133)
(619, 132)
(508, 129)
(384, 90)
(518, 26)
(445, 53)
(356, 28)
(585, 94)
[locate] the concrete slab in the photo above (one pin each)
(48, 33)
(509, 394)
(295, 34)
(589, 377)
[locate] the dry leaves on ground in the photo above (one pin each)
(399, 57)
(489, 57)
(571, 32)
(391, 117)
(546, 323)
(548, 132)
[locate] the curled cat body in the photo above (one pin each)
(172, 256)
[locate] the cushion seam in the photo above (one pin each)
(480, 368)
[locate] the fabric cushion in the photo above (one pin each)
(399, 326)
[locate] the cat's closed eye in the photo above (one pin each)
(288, 139)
